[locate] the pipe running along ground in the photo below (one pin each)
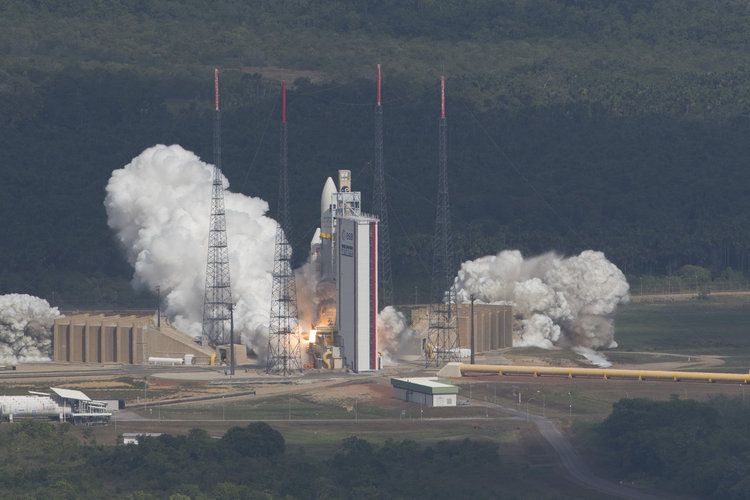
(604, 373)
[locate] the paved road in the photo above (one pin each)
(572, 461)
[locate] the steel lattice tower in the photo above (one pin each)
(442, 335)
(380, 210)
(283, 338)
(217, 302)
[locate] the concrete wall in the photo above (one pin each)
(493, 326)
(83, 338)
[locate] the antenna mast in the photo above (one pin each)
(442, 335)
(380, 210)
(217, 302)
(283, 338)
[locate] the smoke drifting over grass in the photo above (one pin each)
(557, 302)
(159, 208)
(25, 328)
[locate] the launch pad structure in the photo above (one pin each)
(442, 343)
(345, 256)
(217, 302)
(284, 335)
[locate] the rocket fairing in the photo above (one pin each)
(326, 230)
(329, 189)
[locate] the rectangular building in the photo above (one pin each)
(493, 326)
(84, 338)
(425, 390)
(357, 291)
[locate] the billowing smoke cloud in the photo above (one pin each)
(159, 207)
(565, 302)
(25, 328)
(394, 336)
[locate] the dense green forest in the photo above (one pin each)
(616, 126)
(680, 447)
(41, 460)
(683, 446)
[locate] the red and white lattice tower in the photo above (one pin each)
(217, 302)
(380, 210)
(283, 338)
(442, 335)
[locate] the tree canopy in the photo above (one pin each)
(572, 124)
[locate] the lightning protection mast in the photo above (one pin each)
(380, 210)
(442, 335)
(283, 338)
(217, 302)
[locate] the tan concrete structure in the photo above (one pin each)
(493, 326)
(84, 338)
(224, 354)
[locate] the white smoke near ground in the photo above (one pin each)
(557, 302)
(394, 336)
(159, 207)
(26, 324)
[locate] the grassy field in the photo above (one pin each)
(718, 325)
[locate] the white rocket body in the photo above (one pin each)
(326, 230)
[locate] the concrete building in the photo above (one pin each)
(59, 404)
(84, 338)
(357, 291)
(493, 326)
(428, 391)
(135, 437)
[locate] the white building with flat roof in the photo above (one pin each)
(428, 391)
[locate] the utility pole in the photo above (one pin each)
(231, 338)
(472, 328)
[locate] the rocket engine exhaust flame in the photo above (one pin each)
(158, 208)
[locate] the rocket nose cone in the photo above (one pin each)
(316, 238)
(329, 188)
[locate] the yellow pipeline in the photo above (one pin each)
(327, 359)
(604, 373)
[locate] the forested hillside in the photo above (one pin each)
(616, 126)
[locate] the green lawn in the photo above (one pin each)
(718, 325)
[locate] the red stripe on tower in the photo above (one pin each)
(442, 96)
(283, 101)
(374, 293)
(378, 84)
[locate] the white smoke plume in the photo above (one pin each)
(394, 336)
(25, 328)
(558, 302)
(159, 208)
